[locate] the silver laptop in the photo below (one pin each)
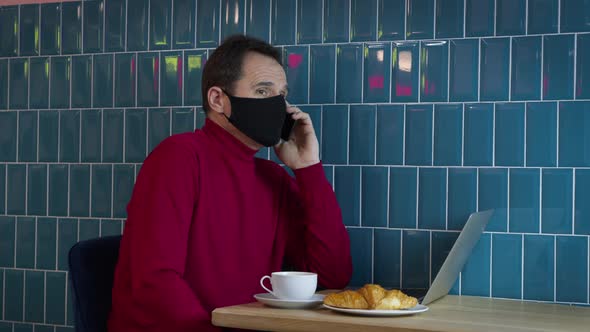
(448, 273)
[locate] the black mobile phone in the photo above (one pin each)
(288, 125)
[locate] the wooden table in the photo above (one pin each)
(451, 313)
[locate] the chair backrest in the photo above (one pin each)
(92, 268)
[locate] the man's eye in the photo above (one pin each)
(262, 92)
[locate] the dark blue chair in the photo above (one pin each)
(92, 268)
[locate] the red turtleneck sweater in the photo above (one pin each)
(207, 220)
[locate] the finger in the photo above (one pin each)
(293, 109)
(299, 115)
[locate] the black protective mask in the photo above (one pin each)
(264, 120)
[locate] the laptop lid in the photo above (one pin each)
(458, 255)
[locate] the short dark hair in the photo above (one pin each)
(224, 66)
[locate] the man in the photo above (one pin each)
(207, 219)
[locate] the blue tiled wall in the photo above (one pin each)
(425, 110)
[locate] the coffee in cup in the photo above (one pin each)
(292, 285)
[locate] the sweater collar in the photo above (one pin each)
(227, 141)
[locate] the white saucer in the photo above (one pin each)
(365, 312)
(272, 301)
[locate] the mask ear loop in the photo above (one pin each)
(229, 98)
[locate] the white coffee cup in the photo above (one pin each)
(292, 285)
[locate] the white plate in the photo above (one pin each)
(366, 312)
(272, 301)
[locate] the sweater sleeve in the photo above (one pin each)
(160, 215)
(317, 240)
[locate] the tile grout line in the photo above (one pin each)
(510, 42)
(348, 136)
(376, 137)
(462, 135)
(404, 110)
(573, 201)
(491, 263)
(308, 74)
(526, 17)
(172, 27)
(126, 19)
(37, 134)
(91, 79)
(390, 69)
(373, 255)
(56, 243)
(362, 63)
(575, 56)
(69, 185)
(5, 189)
(418, 171)
(419, 65)
(195, 25)
(159, 58)
(401, 258)
(67, 298)
(90, 214)
(36, 220)
(449, 71)
(558, 113)
(447, 201)
(335, 71)
(554, 268)
(28, 65)
(480, 40)
(24, 295)
(540, 200)
(182, 101)
(219, 15)
(587, 269)
(19, 30)
(2, 314)
(495, 18)
(430, 256)
(388, 195)
(494, 135)
(558, 16)
(522, 266)
(61, 7)
(104, 24)
(508, 175)
(432, 138)
(322, 39)
(15, 240)
(464, 19)
(148, 24)
(271, 5)
(526, 111)
(44, 297)
(361, 197)
(477, 189)
(541, 83)
(27, 188)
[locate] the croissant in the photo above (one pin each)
(395, 299)
(371, 296)
(346, 299)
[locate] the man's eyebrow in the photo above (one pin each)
(269, 84)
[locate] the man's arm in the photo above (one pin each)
(317, 239)
(161, 213)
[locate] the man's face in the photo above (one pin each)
(262, 77)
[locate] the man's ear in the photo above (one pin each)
(216, 99)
